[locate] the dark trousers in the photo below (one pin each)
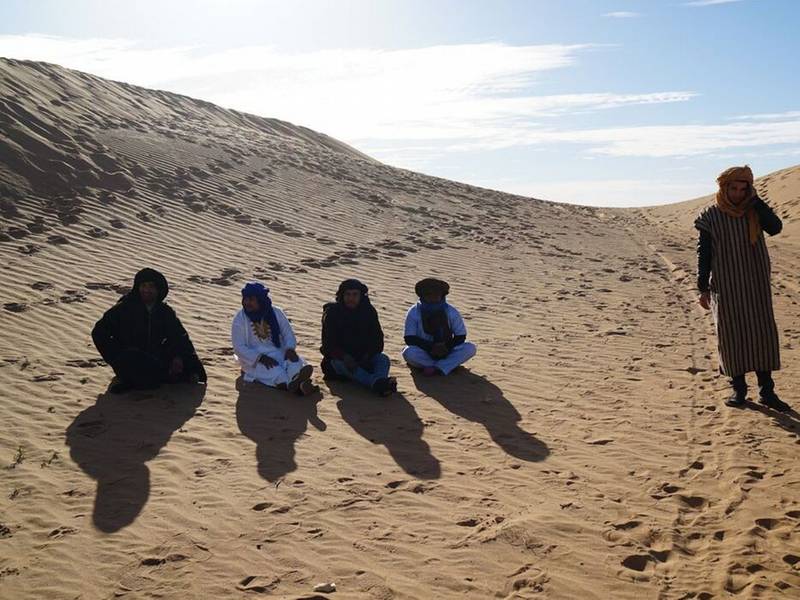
(765, 384)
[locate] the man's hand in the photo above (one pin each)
(350, 363)
(267, 361)
(176, 367)
(291, 355)
(439, 350)
(705, 300)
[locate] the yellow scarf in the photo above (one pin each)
(744, 208)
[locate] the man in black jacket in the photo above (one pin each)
(143, 340)
(352, 340)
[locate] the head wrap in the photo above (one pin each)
(744, 208)
(264, 312)
(353, 284)
(432, 285)
(151, 276)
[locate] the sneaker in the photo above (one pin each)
(303, 375)
(772, 401)
(384, 387)
(306, 388)
(736, 399)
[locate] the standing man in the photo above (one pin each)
(265, 345)
(143, 340)
(435, 332)
(733, 277)
(352, 340)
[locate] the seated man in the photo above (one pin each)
(435, 332)
(143, 340)
(352, 340)
(264, 344)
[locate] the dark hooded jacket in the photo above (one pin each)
(129, 325)
(356, 332)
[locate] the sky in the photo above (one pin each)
(601, 102)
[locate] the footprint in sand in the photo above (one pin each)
(71, 296)
(97, 232)
(62, 531)
(29, 249)
(117, 223)
(16, 307)
(17, 232)
(57, 240)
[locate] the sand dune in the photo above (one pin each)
(585, 452)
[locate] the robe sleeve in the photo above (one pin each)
(769, 221)
(288, 341)
(177, 338)
(247, 355)
(457, 325)
(705, 253)
(331, 348)
(376, 335)
(411, 328)
(104, 335)
(703, 222)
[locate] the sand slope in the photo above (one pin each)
(584, 453)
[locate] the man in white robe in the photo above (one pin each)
(265, 345)
(435, 332)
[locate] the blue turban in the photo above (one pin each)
(264, 311)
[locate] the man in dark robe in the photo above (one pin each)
(143, 340)
(734, 283)
(352, 340)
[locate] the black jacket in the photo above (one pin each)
(355, 332)
(158, 331)
(770, 223)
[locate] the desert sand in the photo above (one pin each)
(583, 453)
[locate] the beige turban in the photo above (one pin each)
(744, 208)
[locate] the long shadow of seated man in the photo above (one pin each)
(275, 421)
(477, 399)
(392, 422)
(112, 440)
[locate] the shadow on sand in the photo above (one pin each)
(391, 422)
(477, 399)
(113, 439)
(790, 421)
(274, 420)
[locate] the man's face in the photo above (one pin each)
(148, 292)
(250, 303)
(351, 298)
(737, 191)
(431, 297)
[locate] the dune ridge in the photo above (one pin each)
(584, 452)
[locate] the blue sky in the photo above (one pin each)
(625, 102)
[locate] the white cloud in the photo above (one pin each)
(710, 2)
(622, 14)
(445, 93)
(791, 114)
